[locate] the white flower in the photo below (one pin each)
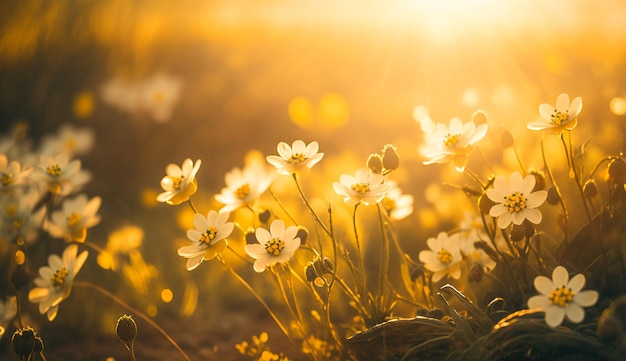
(8, 310)
(277, 245)
(73, 219)
(562, 297)
(208, 238)
(365, 187)
(298, 157)
(60, 175)
(244, 186)
(159, 95)
(17, 216)
(452, 143)
(121, 94)
(563, 116)
(54, 283)
(515, 200)
(397, 205)
(444, 256)
(69, 140)
(179, 183)
(11, 173)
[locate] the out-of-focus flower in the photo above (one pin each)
(8, 310)
(70, 140)
(121, 94)
(180, 182)
(444, 256)
(244, 186)
(120, 244)
(11, 174)
(452, 143)
(365, 187)
(561, 297)
(208, 238)
(276, 245)
(17, 217)
(563, 116)
(60, 175)
(54, 283)
(73, 219)
(299, 157)
(159, 95)
(515, 200)
(397, 205)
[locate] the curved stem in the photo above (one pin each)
(141, 315)
(193, 207)
(306, 202)
(360, 257)
(384, 257)
(558, 192)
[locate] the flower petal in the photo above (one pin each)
(586, 298)
(574, 312)
(576, 283)
(554, 315)
(544, 285)
(560, 276)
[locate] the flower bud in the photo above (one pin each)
(126, 328)
(250, 236)
(479, 117)
(435, 313)
(540, 181)
(517, 233)
(375, 163)
(264, 215)
(529, 229)
(476, 273)
(38, 344)
(485, 204)
(391, 160)
(506, 140)
(617, 171)
(303, 234)
(310, 273)
(416, 273)
(329, 267)
(23, 341)
(590, 189)
(20, 276)
(553, 196)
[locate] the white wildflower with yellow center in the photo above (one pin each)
(299, 157)
(453, 142)
(244, 186)
(444, 256)
(74, 218)
(69, 140)
(179, 183)
(515, 200)
(275, 246)
(158, 95)
(60, 175)
(17, 217)
(562, 116)
(208, 238)
(397, 205)
(11, 173)
(54, 283)
(561, 297)
(365, 187)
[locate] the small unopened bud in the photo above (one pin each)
(553, 196)
(20, 276)
(416, 273)
(617, 171)
(329, 267)
(479, 117)
(391, 160)
(38, 344)
(250, 236)
(375, 163)
(126, 328)
(310, 273)
(517, 233)
(485, 204)
(506, 140)
(264, 215)
(435, 313)
(23, 341)
(590, 189)
(529, 229)
(540, 181)
(476, 273)
(303, 234)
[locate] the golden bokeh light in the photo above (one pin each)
(167, 295)
(618, 105)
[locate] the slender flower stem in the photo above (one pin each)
(141, 315)
(384, 256)
(193, 207)
(558, 191)
(282, 206)
(306, 202)
(359, 253)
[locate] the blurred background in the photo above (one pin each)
(160, 81)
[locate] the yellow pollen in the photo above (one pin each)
(209, 235)
(559, 118)
(515, 202)
(73, 219)
(176, 181)
(58, 278)
(7, 178)
(561, 296)
(243, 191)
(360, 187)
(451, 139)
(444, 256)
(54, 170)
(274, 246)
(389, 204)
(297, 158)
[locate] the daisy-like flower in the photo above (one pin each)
(17, 217)
(61, 175)
(69, 140)
(180, 182)
(444, 256)
(208, 238)
(276, 245)
(397, 205)
(515, 200)
(54, 283)
(298, 157)
(122, 95)
(11, 173)
(365, 187)
(159, 95)
(452, 143)
(563, 116)
(73, 219)
(562, 297)
(244, 186)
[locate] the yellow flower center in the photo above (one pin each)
(274, 246)
(54, 170)
(559, 118)
(7, 178)
(177, 181)
(561, 296)
(389, 204)
(515, 202)
(360, 187)
(243, 191)
(209, 235)
(73, 219)
(444, 256)
(297, 158)
(451, 139)
(58, 278)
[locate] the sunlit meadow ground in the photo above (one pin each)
(251, 77)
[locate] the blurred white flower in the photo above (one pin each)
(515, 200)
(298, 157)
(59, 175)
(276, 245)
(54, 283)
(444, 256)
(8, 310)
(397, 205)
(561, 297)
(244, 186)
(179, 183)
(73, 219)
(365, 187)
(159, 95)
(121, 94)
(70, 140)
(11, 174)
(563, 116)
(208, 238)
(17, 217)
